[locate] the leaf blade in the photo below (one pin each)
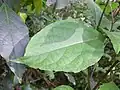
(63, 87)
(109, 86)
(38, 5)
(13, 38)
(115, 39)
(64, 46)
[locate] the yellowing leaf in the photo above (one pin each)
(23, 16)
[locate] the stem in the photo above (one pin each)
(54, 7)
(89, 76)
(112, 24)
(102, 14)
(112, 15)
(110, 69)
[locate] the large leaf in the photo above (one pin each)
(13, 38)
(63, 87)
(109, 86)
(65, 45)
(115, 39)
(13, 34)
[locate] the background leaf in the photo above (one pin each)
(115, 39)
(65, 45)
(111, 6)
(61, 3)
(109, 86)
(63, 87)
(38, 5)
(95, 14)
(14, 4)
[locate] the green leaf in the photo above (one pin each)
(115, 39)
(23, 16)
(109, 86)
(38, 6)
(110, 7)
(65, 45)
(63, 87)
(95, 14)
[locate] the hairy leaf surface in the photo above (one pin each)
(65, 45)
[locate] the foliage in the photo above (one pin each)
(13, 34)
(74, 44)
(64, 44)
(63, 87)
(114, 37)
(109, 86)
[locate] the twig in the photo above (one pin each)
(110, 69)
(102, 14)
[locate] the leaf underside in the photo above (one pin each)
(13, 34)
(13, 38)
